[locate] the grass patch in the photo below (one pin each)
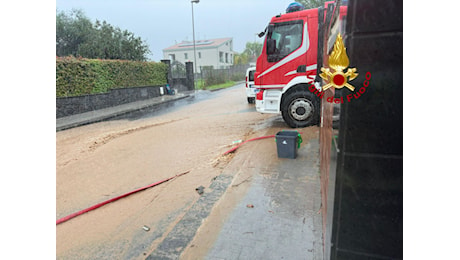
(223, 85)
(199, 84)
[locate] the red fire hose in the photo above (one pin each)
(59, 221)
(253, 139)
(64, 219)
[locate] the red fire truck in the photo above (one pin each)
(290, 63)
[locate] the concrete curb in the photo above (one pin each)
(68, 122)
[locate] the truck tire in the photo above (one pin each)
(300, 108)
(251, 100)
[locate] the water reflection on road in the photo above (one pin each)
(195, 97)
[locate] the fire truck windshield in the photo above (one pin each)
(284, 38)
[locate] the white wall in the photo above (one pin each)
(209, 55)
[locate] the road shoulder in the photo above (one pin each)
(265, 205)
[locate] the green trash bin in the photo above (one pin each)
(287, 143)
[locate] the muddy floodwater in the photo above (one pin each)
(100, 161)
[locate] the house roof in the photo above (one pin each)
(201, 44)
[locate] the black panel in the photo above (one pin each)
(367, 220)
(354, 256)
(370, 216)
(374, 16)
(376, 124)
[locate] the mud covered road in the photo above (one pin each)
(100, 161)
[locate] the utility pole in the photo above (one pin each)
(193, 28)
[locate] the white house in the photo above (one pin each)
(213, 52)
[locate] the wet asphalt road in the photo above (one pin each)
(103, 159)
(98, 161)
(195, 97)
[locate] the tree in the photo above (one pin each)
(250, 53)
(309, 4)
(240, 59)
(71, 31)
(253, 49)
(77, 36)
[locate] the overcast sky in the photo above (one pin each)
(162, 23)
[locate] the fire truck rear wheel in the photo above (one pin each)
(300, 108)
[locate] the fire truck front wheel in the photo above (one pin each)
(300, 108)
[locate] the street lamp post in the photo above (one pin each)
(193, 28)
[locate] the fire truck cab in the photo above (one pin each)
(288, 66)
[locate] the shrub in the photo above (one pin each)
(79, 76)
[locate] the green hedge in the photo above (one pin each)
(79, 76)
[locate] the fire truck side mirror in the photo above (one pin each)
(271, 46)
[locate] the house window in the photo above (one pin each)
(199, 55)
(221, 56)
(186, 56)
(226, 57)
